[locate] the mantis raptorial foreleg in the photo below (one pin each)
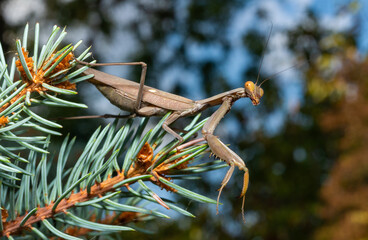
(222, 151)
(142, 80)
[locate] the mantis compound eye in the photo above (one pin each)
(249, 85)
(260, 92)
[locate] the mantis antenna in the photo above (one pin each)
(263, 54)
(284, 70)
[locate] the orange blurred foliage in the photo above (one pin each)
(345, 193)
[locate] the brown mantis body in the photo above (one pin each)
(142, 100)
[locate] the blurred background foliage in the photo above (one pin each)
(305, 145)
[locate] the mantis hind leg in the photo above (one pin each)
(137, 104)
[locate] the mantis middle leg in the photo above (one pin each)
(172, 118)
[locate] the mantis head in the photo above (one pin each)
(253, 91)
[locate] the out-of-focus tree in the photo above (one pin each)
(345, 193)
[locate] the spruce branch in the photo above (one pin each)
(106, 192)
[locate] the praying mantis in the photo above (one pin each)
(145, 101)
